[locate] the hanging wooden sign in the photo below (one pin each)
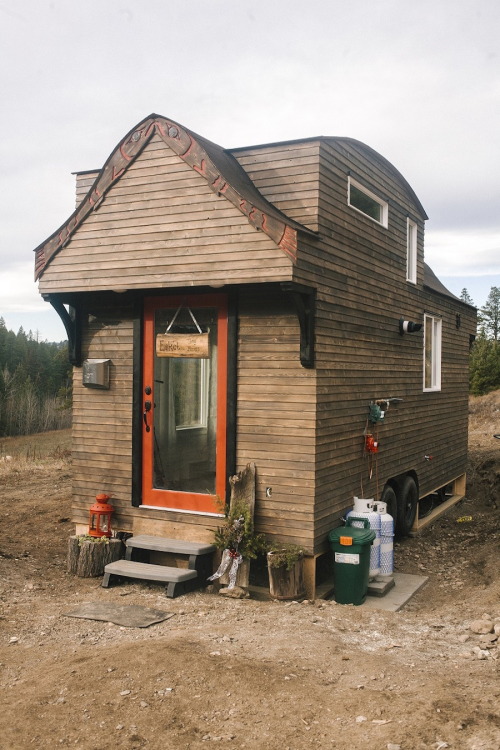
(194, 345)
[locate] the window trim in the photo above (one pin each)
(202, 423)
(411, 251)
(384, 206)
(435, 352)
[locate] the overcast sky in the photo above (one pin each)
(418, 81)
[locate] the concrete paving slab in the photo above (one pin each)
(405, 586)
(129, 616)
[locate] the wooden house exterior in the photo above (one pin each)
(302, 264)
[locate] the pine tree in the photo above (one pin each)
(489, 315)
(484, 366)
(465, 297)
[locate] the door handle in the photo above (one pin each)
(147, 408)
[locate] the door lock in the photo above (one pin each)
(147, 408)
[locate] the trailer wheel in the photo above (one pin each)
(407, 506)
(390, 498)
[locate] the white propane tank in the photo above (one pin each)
(386, 540)
(364, 508)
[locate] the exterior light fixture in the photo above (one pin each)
(407, 326)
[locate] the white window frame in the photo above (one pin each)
(411, 251)
(202, 421)
(384, 206)
(432, 352)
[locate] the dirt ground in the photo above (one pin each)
(249, 673)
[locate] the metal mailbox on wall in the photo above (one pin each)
(95, 373)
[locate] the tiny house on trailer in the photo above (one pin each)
(267, 304)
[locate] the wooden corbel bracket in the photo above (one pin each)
(303, 299)
(72, 321)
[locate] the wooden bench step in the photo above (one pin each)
(148, 572)
(162, 544)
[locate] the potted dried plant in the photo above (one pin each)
(285, 563)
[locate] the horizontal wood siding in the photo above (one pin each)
(160, 226)
(288, 176)
(359, 269)
(102, 429)
(276, 417)
(84, 181)
(102, 434)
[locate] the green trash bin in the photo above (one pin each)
(351, 567)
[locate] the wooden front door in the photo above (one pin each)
(185, 402)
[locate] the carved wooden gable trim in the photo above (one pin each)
(185, 144)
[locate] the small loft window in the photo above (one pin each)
(367, 203)
(411, 252)
(432, 353)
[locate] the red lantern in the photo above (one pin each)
(100, 516)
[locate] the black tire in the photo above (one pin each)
(390, 498)
(407, 506)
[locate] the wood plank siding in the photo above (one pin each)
(276, 416)
(162, 226)
(288, 176)
(359, 269)
(84, 181)
(102, 427)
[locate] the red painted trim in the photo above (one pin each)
(168, 498)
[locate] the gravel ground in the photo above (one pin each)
(249, 673)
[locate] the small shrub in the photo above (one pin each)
(237, 532)
(284, 555)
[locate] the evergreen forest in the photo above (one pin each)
(35, 384)
(484, 365)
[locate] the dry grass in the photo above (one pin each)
(485, 409)
(41, 445)
(38, 454)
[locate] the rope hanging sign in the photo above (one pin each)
(194, 345)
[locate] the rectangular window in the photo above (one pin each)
(432, 353)
(411, 251)
(363, 200)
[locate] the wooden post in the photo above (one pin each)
(242, 491)
(310, 576)
(88, 558)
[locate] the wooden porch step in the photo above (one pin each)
(176, 578)
(162, 544)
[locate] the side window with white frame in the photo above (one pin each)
(411, 251)
(432, 353)
(366, 202)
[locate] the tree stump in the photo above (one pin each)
(87, 559)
